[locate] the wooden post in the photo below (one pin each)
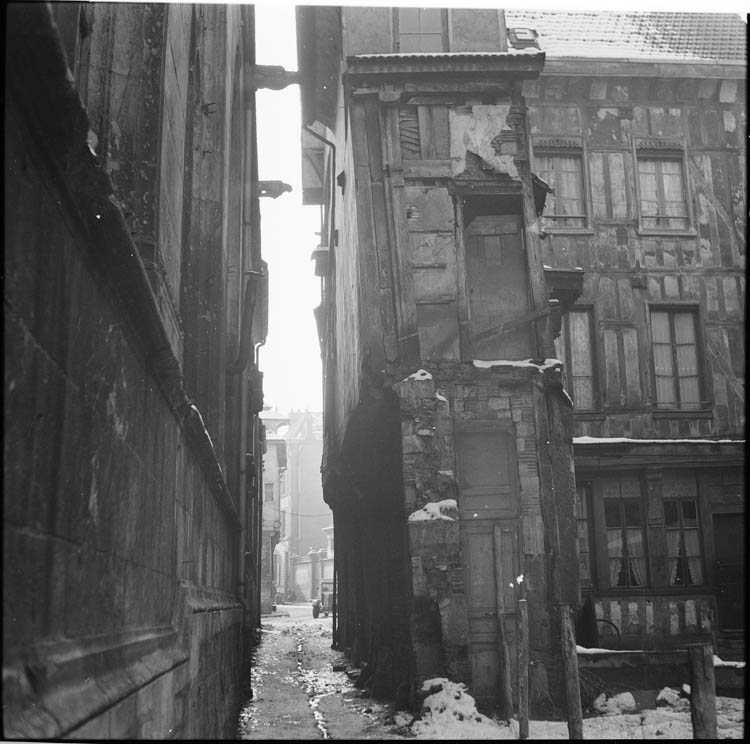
(570, 664)
(506, 693)
(702, 691)
(523, 669)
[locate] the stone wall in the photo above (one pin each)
(123, 609)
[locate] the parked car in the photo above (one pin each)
(323, 603)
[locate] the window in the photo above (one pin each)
(683, 542)
(674, 340)
(662, 193)
(268, 492)
(625, 544)
(566, 206)
(583, 542)
(283, 524)
(421, 30)
(575, 349)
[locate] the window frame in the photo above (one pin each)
(551, 146)
(682, 557)
(626, 557)
(609, 486)
(662, 150)
(445, 36)
(266, 500)
(582, 495)
(703, 403)
(588, 310)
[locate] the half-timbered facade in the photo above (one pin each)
(638, 123)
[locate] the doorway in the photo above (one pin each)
(729, 542)
(488, 505)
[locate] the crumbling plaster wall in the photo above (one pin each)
(515, 399)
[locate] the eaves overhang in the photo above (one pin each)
(595, 453)
(644, 67)
(519, 64)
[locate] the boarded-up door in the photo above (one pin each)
(729, 541)
(488, 513)
(498, 289)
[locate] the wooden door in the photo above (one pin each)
(729, 542)
(488, 514)
(498, 288)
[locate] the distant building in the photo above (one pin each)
(274, 494)
(301, 550)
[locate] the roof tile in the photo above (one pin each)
(636, 35)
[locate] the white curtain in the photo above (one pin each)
(692, 550)
(634, 536)
(673, 554)
(614, 550)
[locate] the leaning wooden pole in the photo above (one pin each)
(523, 669)
(702, 691)
(505, 692)
(570, 666)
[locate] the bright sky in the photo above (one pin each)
(290, 360)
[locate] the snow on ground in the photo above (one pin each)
(450, 713)
(434, 510)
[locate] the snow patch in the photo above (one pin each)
(671, 698)
(435, 510)
(614, 706)
(441, 397)
(420, 374)
(583, 650)
(451, 713)
(526, 363)
(619, 440)
(721, 663)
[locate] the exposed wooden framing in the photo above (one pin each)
(506, 691)
(523, 669)
(464, 329)
(570, 666)
(405, 307)
(427, 169)
(370, 320)
(541, 339)
(380, 217)
(702, 691)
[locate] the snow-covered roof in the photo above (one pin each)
(636, 35)
(529, 51)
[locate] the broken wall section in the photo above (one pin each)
(534, 537)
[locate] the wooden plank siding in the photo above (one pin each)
(369, 271)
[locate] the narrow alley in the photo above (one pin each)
(373, 372)
(301, 689)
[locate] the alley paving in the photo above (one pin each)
(296, 692)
